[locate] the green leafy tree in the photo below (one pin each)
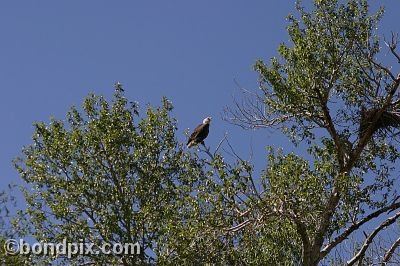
(112, 174)
(106, 176)
(330, 89)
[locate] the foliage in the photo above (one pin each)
(330, 89)
(106, 176)
(7, 201)
(113, 174)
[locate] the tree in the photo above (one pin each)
(112, 174)
(105, 176)
(331, 89)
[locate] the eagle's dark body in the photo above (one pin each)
(199, 133)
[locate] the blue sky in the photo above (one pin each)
(53, 53)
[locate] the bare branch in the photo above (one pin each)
(251, 112)
(385, 69)
(361, 253)
(207, 150)
(220, 143)
(239, 226)
(356, 226)
(393, 45)
(389, 253)
(233, 151)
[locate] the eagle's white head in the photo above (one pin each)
(207, 120)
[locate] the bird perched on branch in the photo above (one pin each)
(199, 133)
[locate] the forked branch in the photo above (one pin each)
(361, 253)
(356, 226)
(389, 253)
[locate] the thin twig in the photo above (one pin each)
(220, 143)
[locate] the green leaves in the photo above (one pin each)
(112, 172)
(107, 175)
(111, 175)
(326, 64)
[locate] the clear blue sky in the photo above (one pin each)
(53, 53)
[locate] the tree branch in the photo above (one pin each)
(302, 231)
(361, 253)
(385, 69)
(239, 226)
(355, 155)
(251, 113)
(334, 197)
(356, 226)
(393, 44)
(390, 252)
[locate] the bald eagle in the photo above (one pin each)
(199, 133)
